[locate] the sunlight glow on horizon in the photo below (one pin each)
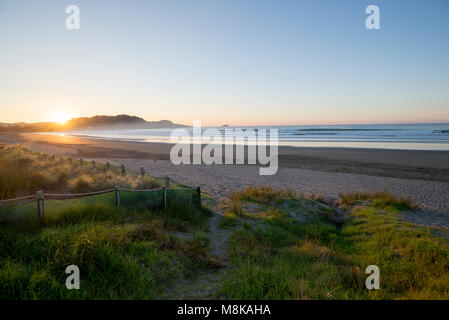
(61, 118)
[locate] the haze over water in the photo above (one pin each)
(387, 136)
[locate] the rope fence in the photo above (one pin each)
(76, 195)
(17, 199)
(41, 195)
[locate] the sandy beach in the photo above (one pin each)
(406, 164)
(421, 176)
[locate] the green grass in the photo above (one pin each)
(414, 262)
(126, 252)
(122, 253)
(273, 256)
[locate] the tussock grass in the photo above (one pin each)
(23, 172)
(316, 197)
(263, 194)
(234, 206)
(280, 258)
(380, 199)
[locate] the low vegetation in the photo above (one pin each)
(24, 172)
(129, 252)
(293, 249)
(264, 194)
(379, 199)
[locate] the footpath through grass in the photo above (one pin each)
(285, 247)
(122, 253)
(126, 252)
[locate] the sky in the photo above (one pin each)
(232, 62)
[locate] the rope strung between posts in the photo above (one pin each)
(86, 194)
(18, 199)
(76, 195)
(140, 190)
(40, 195)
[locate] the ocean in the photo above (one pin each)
(385, 136)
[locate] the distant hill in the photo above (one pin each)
(122, 121)
(31, 127)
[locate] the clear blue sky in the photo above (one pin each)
(234, 62)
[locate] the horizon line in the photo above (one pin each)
(246, 125)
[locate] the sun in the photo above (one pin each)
(61, 118)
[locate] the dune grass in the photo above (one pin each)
(379, 199)
(291, 249)
(23, 172)
(263, 194)
(126, 252)
(122, 253)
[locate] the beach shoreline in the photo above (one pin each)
(404, 164)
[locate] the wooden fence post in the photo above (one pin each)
(123, 169)
(198, 194)
(93, 163)
(40, 204)
(164, 189)
(142, 171)
(108, 165)
(117, 195)
(167, 181)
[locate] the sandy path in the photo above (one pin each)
(206, 283)
(220, 180)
